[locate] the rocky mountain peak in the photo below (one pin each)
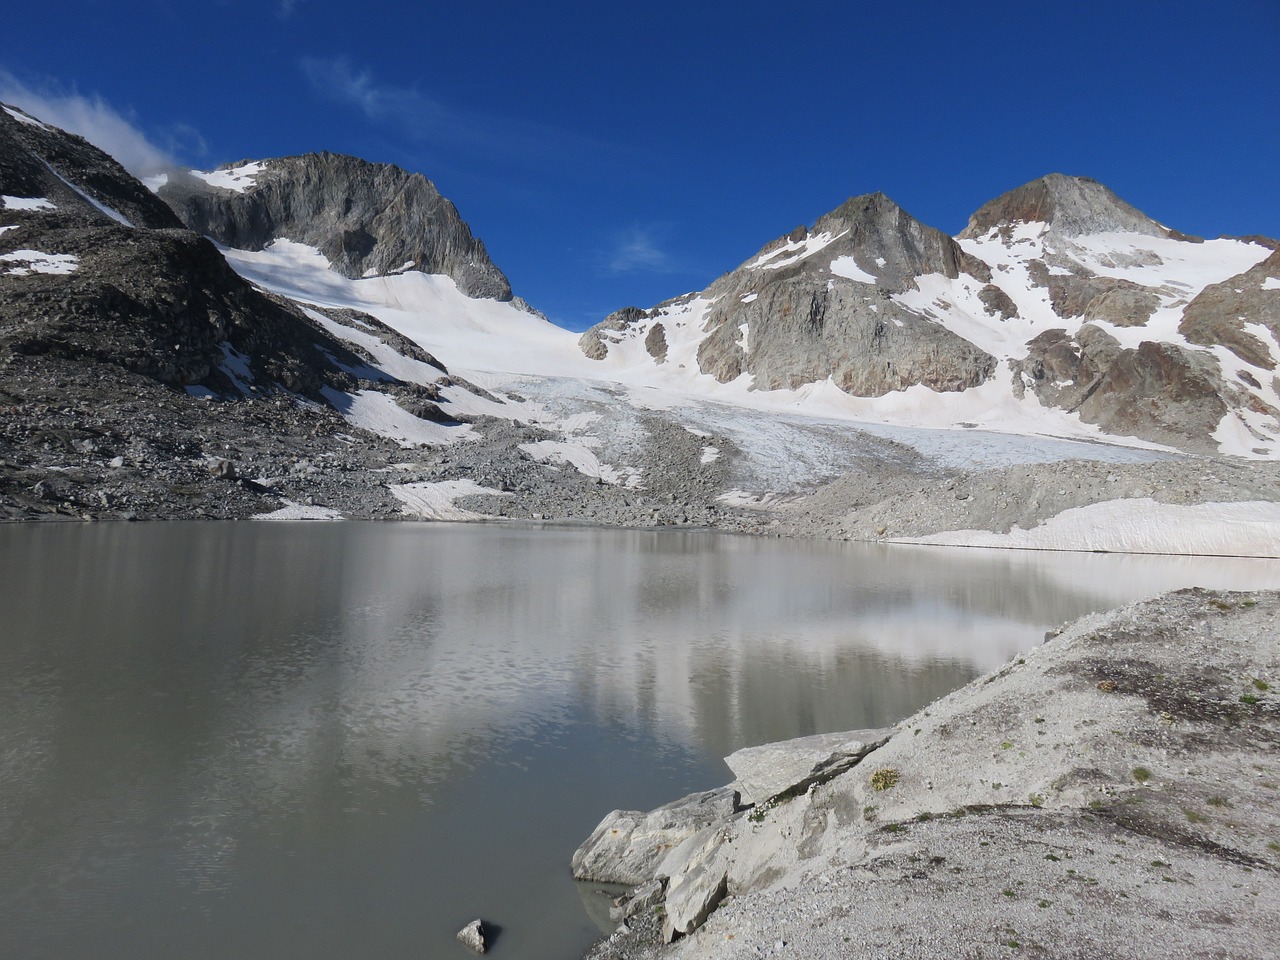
(368, 219)
(887, 242)
(1071, 206)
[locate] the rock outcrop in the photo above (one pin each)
(368, 219)
(1077, 791)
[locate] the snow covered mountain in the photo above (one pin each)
(1057, 292)
(345, 348)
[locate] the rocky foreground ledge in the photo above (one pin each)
(1113, 793)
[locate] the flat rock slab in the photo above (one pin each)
(771, 769)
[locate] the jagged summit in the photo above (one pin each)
(368, 219)
(1071, 206)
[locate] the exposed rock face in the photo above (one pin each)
(629, 846)
(1222, 311)
(818, 303)
(366, 218)
(1071, 206)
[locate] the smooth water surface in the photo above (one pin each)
(347, 740)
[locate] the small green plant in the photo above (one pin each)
(1008, 892)
(1141, 774)
(1159, 863)
(1218, 802)
(1194, 816)
(886, 778)
(1036, 800)
(1249, 698)
(869, 812)
(1050, 856)
(1042, 904)
(894, 828)
(1261, 684)
(1273, 846)
(1006, 745)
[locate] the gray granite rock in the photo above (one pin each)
(773, 769)
(472, 936)
(628, 846)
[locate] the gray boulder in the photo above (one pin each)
(472, 936)
(773, 769)
(628, 846)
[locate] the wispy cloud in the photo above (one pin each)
(449, 130)
(100, 123)
(636, 250)
(285, 8)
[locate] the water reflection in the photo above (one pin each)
(335, 740)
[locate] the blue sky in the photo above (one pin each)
(613, 154)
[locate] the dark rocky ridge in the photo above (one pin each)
(366, 218)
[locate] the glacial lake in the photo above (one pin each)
(274, 741)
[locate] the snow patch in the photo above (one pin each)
(578, 453)
(34, 261)
(750, 298)
(6, 229)
(1271, 283)
(26, 203)
(709, 455)
(23, 118)
(236, 366)
(235, 179)
(97, 205)
(848, 268)
(798, 250)
(434, 501)
(299, 511)
(380, 414)
(1250, 529)
(155, 183)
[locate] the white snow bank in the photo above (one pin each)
(26, 203)
(1271, 283)
(6, 229)
(97, 205)
(35, 261)
(578, 454)
(235, 179)
(795, 250)
(23, 118)
(1248, 529)
(379, 413)
(434, 501)
(299, 511)
(848, 268)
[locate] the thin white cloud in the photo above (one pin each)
(447, 130)
(96, 120)
(636, 251)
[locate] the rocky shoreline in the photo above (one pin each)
(1112, 792)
